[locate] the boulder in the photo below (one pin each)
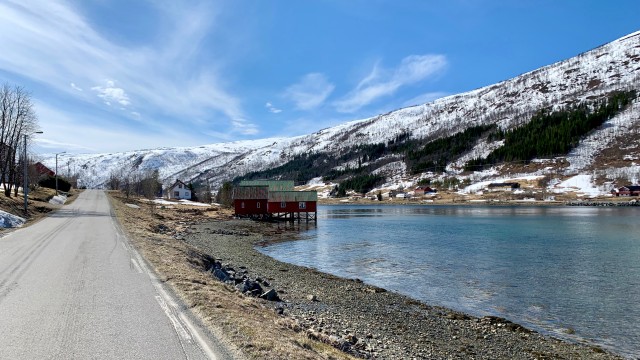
(270, 295)
(221, 275)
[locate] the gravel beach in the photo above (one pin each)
(364, 320)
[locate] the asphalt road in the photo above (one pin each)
(71, 287)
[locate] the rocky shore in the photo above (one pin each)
(361, 319)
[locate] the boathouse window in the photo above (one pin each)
(302, 205)
(283, 204)
(258, 205)
(242, 204)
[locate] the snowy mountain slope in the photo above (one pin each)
(586, 77)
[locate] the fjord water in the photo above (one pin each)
(573, 272)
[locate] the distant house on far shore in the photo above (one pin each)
(629, 190)
(179, 190)
(508, 186)
(422, 190)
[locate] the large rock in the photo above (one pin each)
(270, 295)
(221, 275)
(249, 287)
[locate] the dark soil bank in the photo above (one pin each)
(367, 321)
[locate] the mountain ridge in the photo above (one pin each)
(508, 104)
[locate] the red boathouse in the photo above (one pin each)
(270, 199)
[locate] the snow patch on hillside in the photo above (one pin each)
(580, 184)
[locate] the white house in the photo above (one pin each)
(179, 190)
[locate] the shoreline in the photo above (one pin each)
(567, 203)
(370, 321)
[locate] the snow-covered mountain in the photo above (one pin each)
(587, 77)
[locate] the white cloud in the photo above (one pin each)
(245, 128)
(310, 92)
(425, 98)
(49, 42)
(272, 108)
(384, 82)
(111, 93)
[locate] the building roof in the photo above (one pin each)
(42, 169)
(631, 187)
(423, 188)
(292, 196)
(176, 184)
(251, 192)
(506, 184)
(273, 185)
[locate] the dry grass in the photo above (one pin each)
(255, 330)
(38, 205)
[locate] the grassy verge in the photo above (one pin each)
(253, 328)
(38, 205)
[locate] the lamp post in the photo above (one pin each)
(57, 170)
(25, 188)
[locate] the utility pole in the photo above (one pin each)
(25, 188)
(57, 170)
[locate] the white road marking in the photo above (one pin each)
(182, 332)
(135, 265)
(170, 307)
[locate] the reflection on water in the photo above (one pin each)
(551, 268)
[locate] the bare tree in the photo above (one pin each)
(17, 118)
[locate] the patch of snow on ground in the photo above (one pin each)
(164, 202)
(316, 181)
(193, 203)
(10, 221)
(179, 202)
(581, 184)
(479, 186)
(58, 200)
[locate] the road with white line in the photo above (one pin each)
(71, 287)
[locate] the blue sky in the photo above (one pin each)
(109, 76)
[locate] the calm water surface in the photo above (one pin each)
(571, 272)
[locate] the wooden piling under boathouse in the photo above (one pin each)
(274, 200)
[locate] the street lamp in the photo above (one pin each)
(25, 188)
(64, 152)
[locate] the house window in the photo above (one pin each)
(176, 194)
(283, 204)
(242, 204)
(302, 205)
(258, 205)
(179, 186)
(187, 194)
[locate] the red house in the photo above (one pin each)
(267, 199)
(43, 170)
(420, 191)
(629, 190)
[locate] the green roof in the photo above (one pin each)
(292, 196)
(274, 185)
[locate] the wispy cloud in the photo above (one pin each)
(162, 78)
(310, 92)
(272, 108)
(244, 127)
(384, 82)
